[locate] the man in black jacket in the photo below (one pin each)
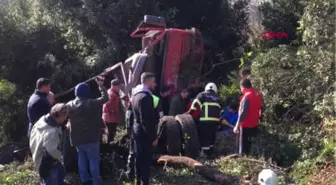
(178, 104)
(144, 127)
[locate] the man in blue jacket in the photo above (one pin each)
(38, 104)
(229, 118)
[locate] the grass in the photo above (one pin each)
(19, 174)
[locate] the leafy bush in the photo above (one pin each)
(16, 174)
(11, 112)
(230, 92)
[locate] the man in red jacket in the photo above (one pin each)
(112, 110)
(248, 116)
(246, 73)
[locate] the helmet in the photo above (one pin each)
(211, 86)
(267, 177)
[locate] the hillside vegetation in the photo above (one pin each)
(69, 41)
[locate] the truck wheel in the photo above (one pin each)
(173, 135)
(190, 136)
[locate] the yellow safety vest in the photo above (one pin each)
(155, 100)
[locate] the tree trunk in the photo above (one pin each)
(205, 171)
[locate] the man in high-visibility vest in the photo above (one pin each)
(129, 124)
(211, 107)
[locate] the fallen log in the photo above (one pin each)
(207, 172)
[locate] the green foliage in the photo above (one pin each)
(11, 105)
(298, 85)
(228, 91)
(231, 91)
(16, 174)
(7, 89)
(281, 16)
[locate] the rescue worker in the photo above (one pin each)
(248, 116)
(129, 124)
(144, 127)
(211, 107)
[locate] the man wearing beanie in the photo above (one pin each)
(85, 130)
(112, 110)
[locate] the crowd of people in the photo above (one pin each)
(85, 118)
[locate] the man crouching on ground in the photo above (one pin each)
(85, 130)
(44, 144)
(144, 127)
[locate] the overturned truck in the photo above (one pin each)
(175, 56)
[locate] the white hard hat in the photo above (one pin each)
(211, 86)
(267, 177)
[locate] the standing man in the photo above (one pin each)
(211, 107)
(38, 104)
(245, 73)
(85, 130)
(248, 116)
(45, 142)
(129, 124)
(178, 103)
(144, 126)
(112, 110)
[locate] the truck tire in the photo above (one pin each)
(190, 136)
(173, 135)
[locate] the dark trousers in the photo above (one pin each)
(131, 161)
(112, 130)
(245, 139)
(143, 160)
(207, 134)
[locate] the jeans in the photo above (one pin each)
(88, 160)
(56, 176)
